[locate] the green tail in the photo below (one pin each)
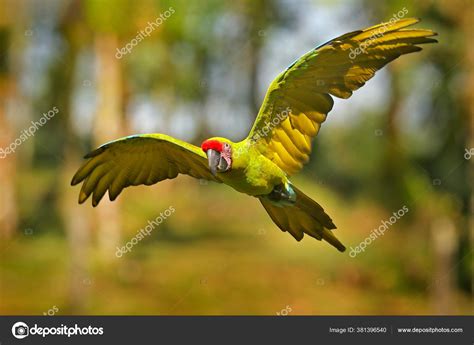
(302, 216)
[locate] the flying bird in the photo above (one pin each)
(279, 143)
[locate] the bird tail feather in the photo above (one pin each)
(303, 216)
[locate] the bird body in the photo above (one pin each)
(279, 143)
(252, 173)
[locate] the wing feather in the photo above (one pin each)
(135, 160)
(336, 68)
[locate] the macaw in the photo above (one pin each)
(279, 143)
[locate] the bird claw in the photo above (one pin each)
(281, 193)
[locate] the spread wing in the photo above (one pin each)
(299, 99)
(135, 160)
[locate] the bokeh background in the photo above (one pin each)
(404, 139)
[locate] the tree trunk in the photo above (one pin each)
(108, 126)
(444, 237)
(8, 209)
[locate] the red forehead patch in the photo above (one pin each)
(211, 145)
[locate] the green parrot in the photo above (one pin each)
(279, 143)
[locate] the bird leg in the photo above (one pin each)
(282, 194)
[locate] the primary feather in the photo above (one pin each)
(305, 88)
(142, 159)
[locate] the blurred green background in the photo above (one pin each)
(404, 139)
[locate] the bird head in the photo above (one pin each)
(219, 154)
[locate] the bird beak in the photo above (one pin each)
(214, 158)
